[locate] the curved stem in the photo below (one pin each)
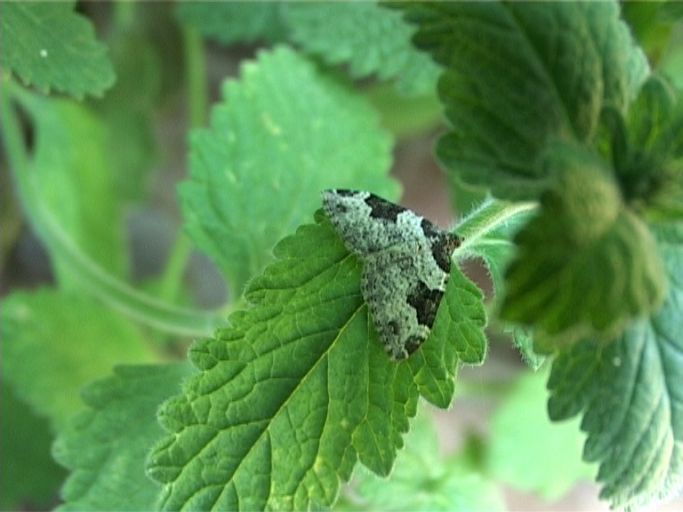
(89, 275)
(490, 215)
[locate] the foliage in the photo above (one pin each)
(566, 116)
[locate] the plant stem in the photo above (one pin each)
(490, 215)
(124, 14)
(197, 89)
(87, 273)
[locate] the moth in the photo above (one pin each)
(406, 264)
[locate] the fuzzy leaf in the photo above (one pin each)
(54, 343)
(371, 39)
(106, 446)
(292, 394)
(520, 75)
(585, 264)
(282, 134)
(50, 46)
(630, 392)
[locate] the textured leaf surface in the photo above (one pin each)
(282, 134)
(235, 22)
(518, 75)
(520, 428)
(106, 446)
(585, 264)
(50, 46)
(29, 478)
(292, 394)
(371, 39)
(73, 176)
(53, 344)
(630, 392)
(423, 480)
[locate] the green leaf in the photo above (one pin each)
(423, 480)
(282, 134)
(50, 46)
(630, 392)
(235, 22)
(520, 430)
(293, 393)
(106, 446)
(73, 177)
(29, 478)
(371, 39)
(517, 76)
(585, 264)
(54, 343)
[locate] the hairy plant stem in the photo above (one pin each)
(89, 275)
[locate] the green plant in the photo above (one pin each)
(567, 135)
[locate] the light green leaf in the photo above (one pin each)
(630, 392)
(520, 75)
(50, 46)
(423, 480)
(73, 177)
(29, 478)
(370, 39)
(585, 264)
(292, 394)
(520, 431)
(54, 343)
(235, 22)
(282, 134)
(106, 446)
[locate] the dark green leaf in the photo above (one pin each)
(630, 392)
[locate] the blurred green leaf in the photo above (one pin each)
(29, 478)
(423, 479)
(50, 46)
(630, 392)
(517, 76)
(106, 446)
(521, 432)
(72, 175)
(281, 135)
(369, 38)
(54, 343)
(235, 22)
(585, 264)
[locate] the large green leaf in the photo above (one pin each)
(54, 343)
(371, 39)
(71, 175)
(585, 264)
(106, 446)
(282, 134)
(50, 46)
(519, 75)
(294, 392)
(631, 394)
